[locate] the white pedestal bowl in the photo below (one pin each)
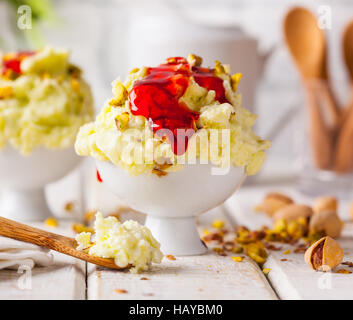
(173, 201)
(23, 179)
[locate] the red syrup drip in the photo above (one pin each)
(156, 98)
(98, 176)
(205, 78)
(14, 64)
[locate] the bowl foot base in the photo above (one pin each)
(24, 205)
(177, 236)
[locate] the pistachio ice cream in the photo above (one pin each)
(128, 243)
(138, 129)
(43, 100)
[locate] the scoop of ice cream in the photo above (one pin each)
(138, 129)
(43, 100)
(128, 243)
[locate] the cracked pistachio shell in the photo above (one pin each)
(332, 254)
(327, 203)
(293, 212)
(326, 221)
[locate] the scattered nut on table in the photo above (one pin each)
(293, 212)
(273, 202)
(327, 203)
(324, 255)
(327, 222)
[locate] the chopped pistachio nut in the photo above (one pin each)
(280, 225)
(74, 71)
(120, 291)
(218, 224)
(238, 259)
(266, 270)
(344, 271)
(51, 222)
(45, 75)
(69, 206)
(134, 70)
(237, 250)
(194, 60)
(219, 69)
(235, 80)
(6, 92)
(10, 75)
(286, 252)
(122, 121)
(89, 215)
(79, 227)
(120, 94)
(75, 84)
(314, 236)
(256, 251)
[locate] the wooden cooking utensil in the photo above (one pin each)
(307, 45)
(321, 139)
(344, 147)
(56, 242)
(347, 40)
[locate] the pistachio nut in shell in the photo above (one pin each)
(327, 203)
(293, 212)
(327, 222)
(273, 202)
(325, 254)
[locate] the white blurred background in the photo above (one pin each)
(103, 34)
(108, 37)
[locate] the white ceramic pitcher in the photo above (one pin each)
(156, 31)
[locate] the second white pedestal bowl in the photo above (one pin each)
(173, 201)
(23, 179)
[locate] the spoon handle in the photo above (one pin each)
(22, 232)
(53, 241)
(320, 136)
(344, 146)
(333, 112)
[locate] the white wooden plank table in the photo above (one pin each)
(65, 279)
(293, 279)
(207, 276)
(199, 277)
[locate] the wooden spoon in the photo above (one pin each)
(307, 45)
(320, 138)
(56, 242)
(344, 146)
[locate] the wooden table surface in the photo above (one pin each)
(207, 276)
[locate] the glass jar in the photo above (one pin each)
(317, 145)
